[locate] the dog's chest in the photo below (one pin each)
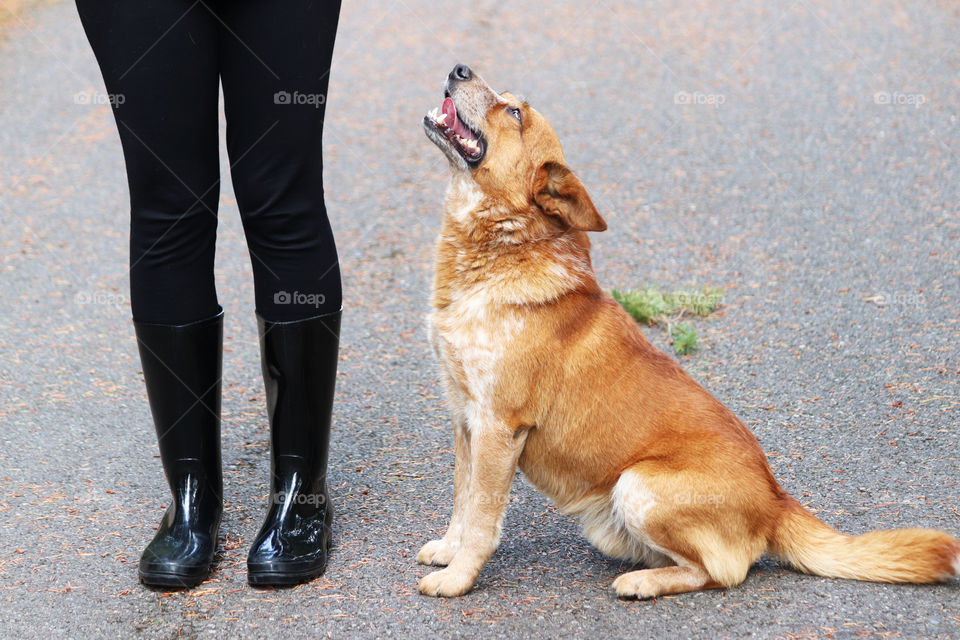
(471, 336)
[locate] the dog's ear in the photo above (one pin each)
(560, 193)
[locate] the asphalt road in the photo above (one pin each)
(801, 155)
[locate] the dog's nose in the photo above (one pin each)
(461, 72)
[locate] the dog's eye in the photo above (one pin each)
(515, 112)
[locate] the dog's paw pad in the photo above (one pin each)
(444, 583)
(437, 552)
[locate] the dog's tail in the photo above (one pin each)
(895, 555)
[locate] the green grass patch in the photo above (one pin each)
(684, 338)
(653, 307)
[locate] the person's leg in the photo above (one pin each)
(158, 57)
(275, 62)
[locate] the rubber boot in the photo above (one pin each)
(299, 363)
(182, 368)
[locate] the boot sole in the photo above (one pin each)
(277, 577)
(168, 580)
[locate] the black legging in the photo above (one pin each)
(161, 62)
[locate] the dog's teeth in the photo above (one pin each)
(441, 118)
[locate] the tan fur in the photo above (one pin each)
(543, 370)
(897, 555)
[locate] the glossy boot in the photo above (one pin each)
(182, 368)
(299, 363)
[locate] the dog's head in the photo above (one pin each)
(511, 153)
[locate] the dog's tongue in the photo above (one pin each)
(451, 112)
(453, 122)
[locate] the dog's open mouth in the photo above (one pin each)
(461, 136)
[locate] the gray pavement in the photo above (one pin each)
(802, 155)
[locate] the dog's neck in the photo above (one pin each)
(509, 257)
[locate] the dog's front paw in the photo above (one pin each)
(437, 552)
(445, 583)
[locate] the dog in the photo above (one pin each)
(544, 370)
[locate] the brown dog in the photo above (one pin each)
(544, 369)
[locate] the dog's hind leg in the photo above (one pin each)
(700, 532)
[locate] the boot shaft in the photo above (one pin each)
(299, 366)
(182, 367)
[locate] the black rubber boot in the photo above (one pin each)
(181, 368)
(299, 362)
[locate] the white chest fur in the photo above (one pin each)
(470, 338)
